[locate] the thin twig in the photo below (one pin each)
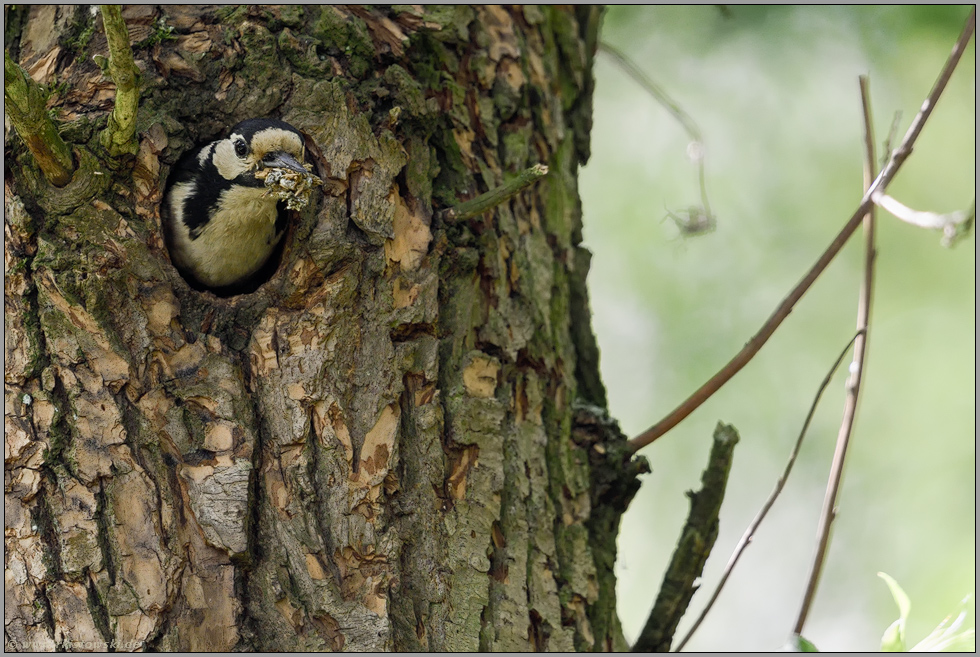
(496, 196)
(853, 388)
(24, 103)
(697, 216)
(892, 133)
(786, 306)
(119, 136)
(668, 103)
(743, 542)
(693, 547)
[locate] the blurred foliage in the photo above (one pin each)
(775, 93)
(893, 639)
(947, 637)
(798, 643)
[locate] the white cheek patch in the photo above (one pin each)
(229, 165)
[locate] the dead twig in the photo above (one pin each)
(698, 219)
(743, 542)
(753, 346)
(853, 387)
(890, 139)
(697, 539)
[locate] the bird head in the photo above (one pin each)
(257, 145)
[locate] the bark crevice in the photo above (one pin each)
(373, 450)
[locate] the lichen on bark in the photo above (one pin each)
(373, 450)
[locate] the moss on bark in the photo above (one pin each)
(376, 448)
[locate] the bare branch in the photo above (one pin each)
(696, 216)
(853, 387)
(697, 539)
(24, 102)
(743, 542)
(753, 346)
(890, 138)
(654, 89)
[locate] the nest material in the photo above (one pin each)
(290, 186)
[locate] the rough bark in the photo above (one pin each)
(398, 441)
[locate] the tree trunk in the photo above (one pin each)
(397, 442)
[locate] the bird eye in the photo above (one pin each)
(241, 149)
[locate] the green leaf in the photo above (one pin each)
(893, 640)
(797, 643)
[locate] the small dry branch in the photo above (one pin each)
(697, 539)
(696, 219)
(828, 511)
(753, 346)
(746, 539)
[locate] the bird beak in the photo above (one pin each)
(283, 160)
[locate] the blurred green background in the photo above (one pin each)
(775, 93)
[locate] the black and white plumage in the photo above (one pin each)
(220, 222)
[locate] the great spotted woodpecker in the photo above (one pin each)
(225, 206)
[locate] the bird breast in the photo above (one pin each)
(236, 240)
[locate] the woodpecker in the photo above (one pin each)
(225, 206)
